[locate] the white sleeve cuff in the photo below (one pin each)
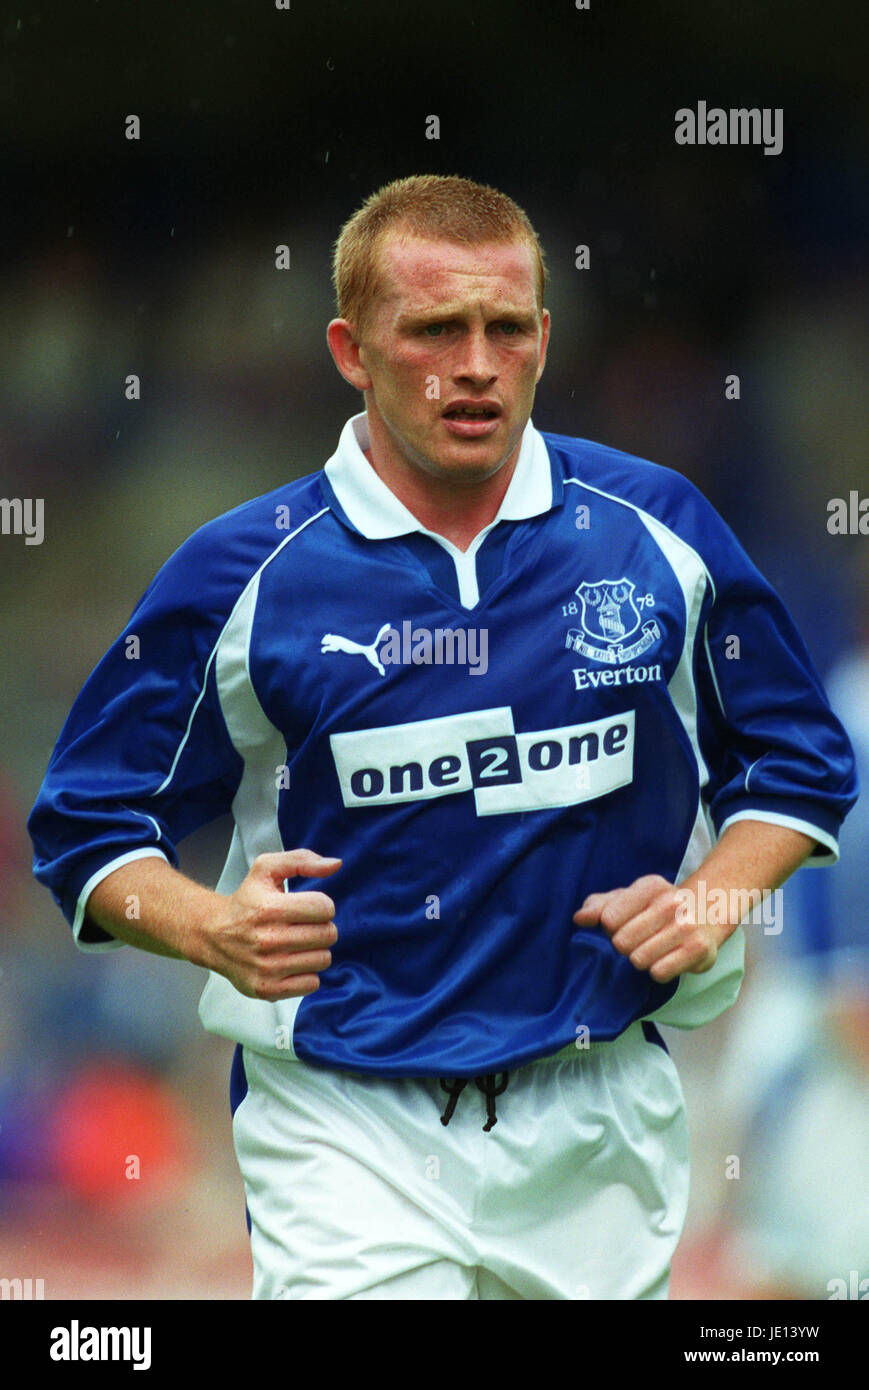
(814, 861)
(147, 852)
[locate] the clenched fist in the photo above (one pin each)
(647, 922)
(269, 943)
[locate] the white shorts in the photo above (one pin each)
(355, 1189)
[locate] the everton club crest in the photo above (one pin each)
(610, 616)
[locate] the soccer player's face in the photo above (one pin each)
(454, 344)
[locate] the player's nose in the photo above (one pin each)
(476, 359)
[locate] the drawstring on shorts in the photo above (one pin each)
(487, 1084)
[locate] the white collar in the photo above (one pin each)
(376, 511)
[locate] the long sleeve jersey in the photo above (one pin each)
(591, 692)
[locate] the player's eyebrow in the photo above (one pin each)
(441, 313)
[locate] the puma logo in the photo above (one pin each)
(332, 642)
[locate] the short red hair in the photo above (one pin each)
(438, 207)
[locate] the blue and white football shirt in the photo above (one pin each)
(591, 692)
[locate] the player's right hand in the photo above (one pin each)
(269, 943)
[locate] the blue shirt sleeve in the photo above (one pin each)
(144, 758)
(773, 746)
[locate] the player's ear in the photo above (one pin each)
(544, 342)
(344, 345)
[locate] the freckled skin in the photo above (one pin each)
(467, 315)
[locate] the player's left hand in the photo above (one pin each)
(646, 922)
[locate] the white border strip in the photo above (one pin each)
(241, 598)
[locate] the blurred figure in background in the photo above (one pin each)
(796, 1105)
